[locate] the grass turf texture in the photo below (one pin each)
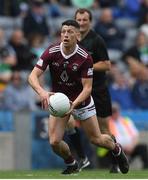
(85, 174)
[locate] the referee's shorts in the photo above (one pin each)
(102, 100)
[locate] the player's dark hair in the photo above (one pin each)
(71, 22)
(82, 11)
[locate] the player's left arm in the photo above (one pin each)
(85, 93)
(86, 74)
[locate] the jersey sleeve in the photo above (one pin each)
(43, 61)
(87, 68)
(101, 50)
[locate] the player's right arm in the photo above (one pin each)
(33, 80)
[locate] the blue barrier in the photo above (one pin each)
(42, 154)
(6, 121)
(140, 118)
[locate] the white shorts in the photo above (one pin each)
(85, 112)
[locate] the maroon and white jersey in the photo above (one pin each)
(67, 70)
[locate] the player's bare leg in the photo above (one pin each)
(74, 135)
(104, 128)
(103, 124)
(56, 132)
(92, 130)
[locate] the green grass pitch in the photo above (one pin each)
(85, 174)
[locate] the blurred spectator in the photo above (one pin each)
(18, 95)
(120, 91)
(23, 52)
(137, 56)
(107, 3)
(107, 28)
(35, 20)
(54, 9)
(143, 15)
(127, 135)
(66, 2)
(128, 9)
(139, 51)
(140, 90)
(144, 28)
(24, 8)
(36, 43)
(7, 60)
(9, 8)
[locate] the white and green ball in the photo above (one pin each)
(59, 104)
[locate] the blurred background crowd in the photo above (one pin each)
(27, 27)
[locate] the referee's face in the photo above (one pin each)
(84, 21)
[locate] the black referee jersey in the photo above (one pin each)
(95, 45)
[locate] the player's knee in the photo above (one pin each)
(54, 142)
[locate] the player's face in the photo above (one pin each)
(84, 21)
(69, 35)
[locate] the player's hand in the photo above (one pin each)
(44, 96)
(71, 109)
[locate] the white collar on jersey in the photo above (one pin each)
(68, 56)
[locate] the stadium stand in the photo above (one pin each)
(132, 21)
